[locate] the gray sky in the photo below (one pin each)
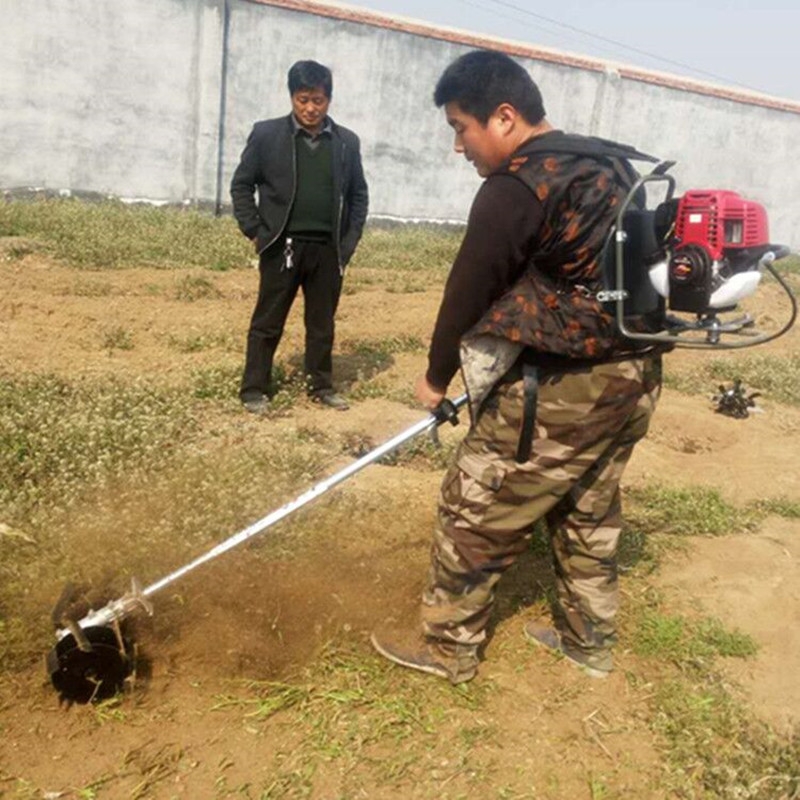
(750, 45)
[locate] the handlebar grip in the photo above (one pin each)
(446, 412)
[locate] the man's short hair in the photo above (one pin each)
(310, 75)
(482, 80)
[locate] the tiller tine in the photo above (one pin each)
(89, 667)
(92, 658)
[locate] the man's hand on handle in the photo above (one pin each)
(428, 395)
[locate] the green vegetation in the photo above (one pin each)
(113, 235)
(117, 338)
(380, 351)
(424, 249)
(686, 511)
(716, 750)
(403, 259)
(195, 287)
(57, 436)
(687, 642)
(790, 264)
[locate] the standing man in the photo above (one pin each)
(557, 399)
(311, 209)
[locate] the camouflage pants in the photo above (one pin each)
(587, 424)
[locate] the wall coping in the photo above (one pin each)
(405, 25)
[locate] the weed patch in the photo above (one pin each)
(408, 248)
(403, 259)
(199, 342)
(780, 506)
(56, 436)
(195, 287)
(351, 710)
(715, 748)
(687, 642)
(686, 512)
(376, 353)
(117, 338)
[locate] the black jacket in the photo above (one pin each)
(268, 164)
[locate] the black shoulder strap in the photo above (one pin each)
(576, 144)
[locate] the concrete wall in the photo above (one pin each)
(154, 99)
(118, 98)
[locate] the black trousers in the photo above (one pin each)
(315, 269)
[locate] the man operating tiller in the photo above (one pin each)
(556, 310)
(554, 427)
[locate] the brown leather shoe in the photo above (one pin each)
(595, 665)
(416, 652)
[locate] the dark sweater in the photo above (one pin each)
(501, 232)
(312, 210)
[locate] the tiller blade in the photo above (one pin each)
(90, 668)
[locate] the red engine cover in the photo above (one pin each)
(719, 220)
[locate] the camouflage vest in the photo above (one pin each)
(580, 182)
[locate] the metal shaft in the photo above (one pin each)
(138, 598)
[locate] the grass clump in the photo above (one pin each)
(117, 338)
(685, 512)
(790, 264)
(221, 382)
(716, 749)
(688, 642)
(195, 287)
(423, 452)
(777, 377)
(114, 235)
(780, 506)
(218, 382)
(380, 351)
(403, 259)
(199, 341)
(353, 712)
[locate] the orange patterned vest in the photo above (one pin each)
(580, 182)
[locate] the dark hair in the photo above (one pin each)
(483, 79)
(310, 75)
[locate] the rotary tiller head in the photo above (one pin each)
(92, 667)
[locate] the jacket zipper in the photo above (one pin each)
(291, 201)
(338, 231)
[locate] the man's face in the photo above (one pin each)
(310, 107)
(483, 146)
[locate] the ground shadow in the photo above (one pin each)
(359, 365)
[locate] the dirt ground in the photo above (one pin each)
(241, 622)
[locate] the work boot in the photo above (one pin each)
(596, 665)
(329, 398)
(413, 650)
(257, 405)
